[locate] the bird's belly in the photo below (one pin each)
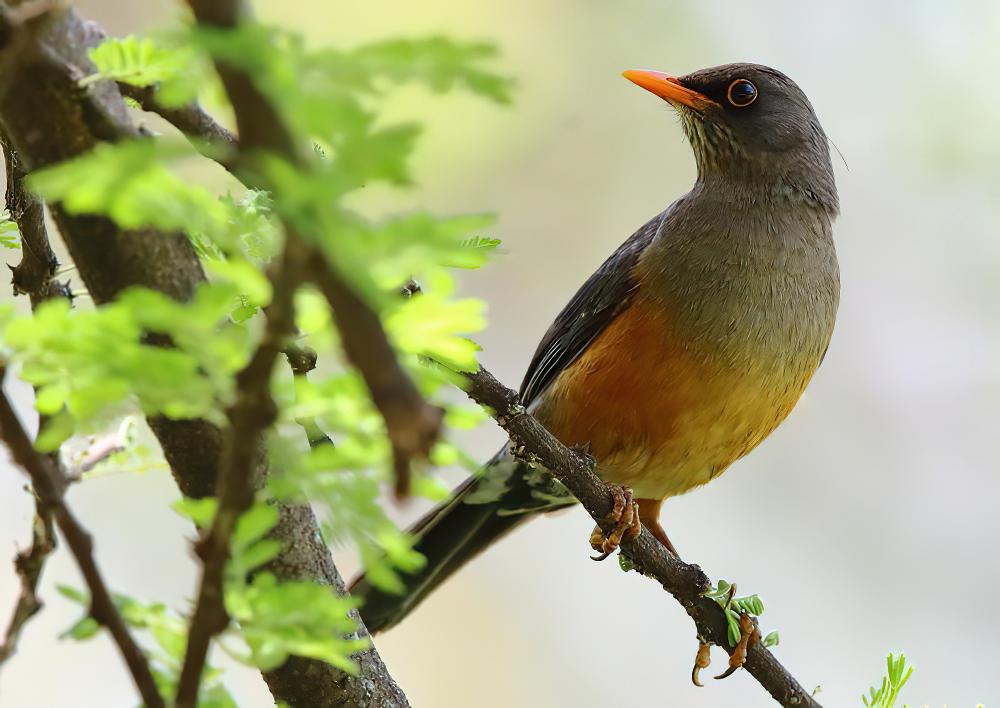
(660, 418)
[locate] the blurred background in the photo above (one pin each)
(868, 522)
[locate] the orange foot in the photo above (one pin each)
(625, 516)
(749, 635)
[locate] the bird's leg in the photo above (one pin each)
(649, 514)
(625, 516)
(749, 635)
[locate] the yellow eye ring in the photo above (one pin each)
(741, 93)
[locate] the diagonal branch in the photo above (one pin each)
(49, 485)
(190, 119)
(687, 583)
(411, 423)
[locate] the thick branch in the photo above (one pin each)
(48, 119)
(48, 485)
(685, 582)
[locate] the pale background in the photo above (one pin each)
(868, 522)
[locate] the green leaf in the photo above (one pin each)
(279, 619)
(200, 511)
(73, 594)
(10, 237)
(83, 629)
(254, 523)
(139, 61)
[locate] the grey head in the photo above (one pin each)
(750, 124)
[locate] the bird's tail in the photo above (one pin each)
(481, 510)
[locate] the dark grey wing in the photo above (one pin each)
(595, 305)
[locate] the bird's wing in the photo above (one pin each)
(595, 305)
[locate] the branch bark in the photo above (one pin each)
(190, 119)
(687, 583)
(48, 119)
(49, 486)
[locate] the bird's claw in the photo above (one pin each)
(749, 635)
(625, 516)
(701, 660)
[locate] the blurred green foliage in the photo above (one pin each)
(93, 365)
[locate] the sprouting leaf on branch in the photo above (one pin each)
(724, 595)
(896, 676)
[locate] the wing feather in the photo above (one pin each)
(605, 294)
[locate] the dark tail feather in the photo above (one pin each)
(451, 535)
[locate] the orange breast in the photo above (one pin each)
(658, 416)
(627, 390)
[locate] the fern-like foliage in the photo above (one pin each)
(896, 675)
(93, 365)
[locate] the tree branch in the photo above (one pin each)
(48, 484)
(34, 276)
(29, 565)
(191, 119)
(411, 423)
(685, 582)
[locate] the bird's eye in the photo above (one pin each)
(741, 93)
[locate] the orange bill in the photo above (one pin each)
(669, 88)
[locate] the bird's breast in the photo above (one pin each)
(696, 372)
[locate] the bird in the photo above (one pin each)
(688, 346)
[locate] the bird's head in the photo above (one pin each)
(752, 124)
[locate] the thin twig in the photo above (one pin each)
(192, 120)
(29, 565)
(687, 583)
(34, 276)
(46, 480)
(252, 412)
